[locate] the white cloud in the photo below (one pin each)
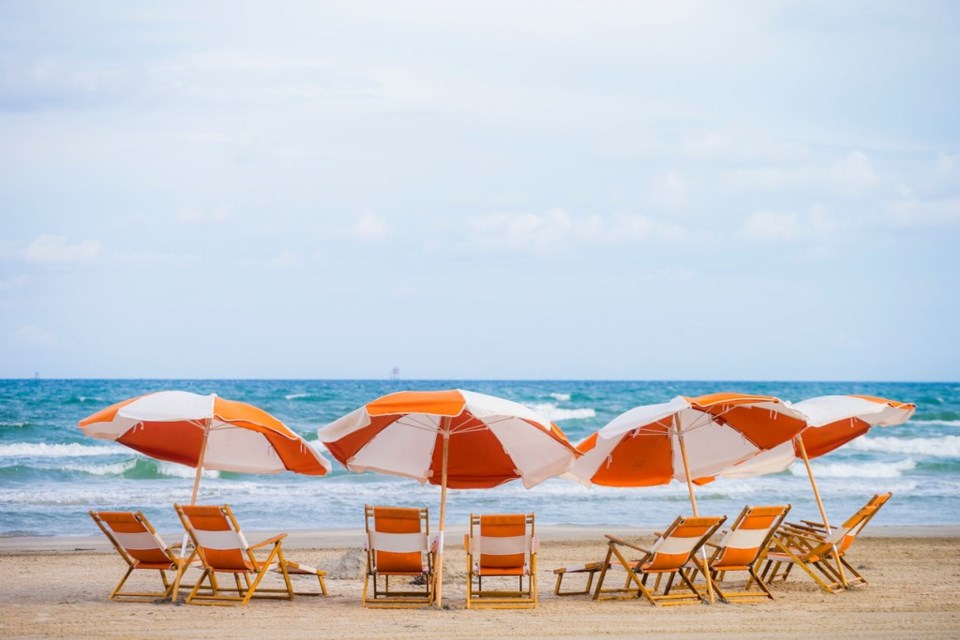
(50, 248)
(767, 226)
(550, 231)
(670, 189)
(195, 215)
(369, 227)
(854, 173)
(34, 336)
(925, 213)
(815, 225)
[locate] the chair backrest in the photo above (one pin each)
(397, 538)
(217, 536)
(676, 546)
(134, 537)
(749, 535)
(844, 535)
(502, 541)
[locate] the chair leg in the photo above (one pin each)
(116, 589)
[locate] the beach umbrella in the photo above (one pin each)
(832, 421)
(205, 432)
(457, 439)
(685, 439)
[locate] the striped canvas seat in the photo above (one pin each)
(501, 546)
(398, 546)
(816, 550)
(665, 560)
(223, 549)
(742, 548)
(138, 544)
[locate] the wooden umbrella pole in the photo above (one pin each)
(196, 479)
(443, 508)
(693, 502)
(203, 451)
(823, 512)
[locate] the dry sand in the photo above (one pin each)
(57, 587)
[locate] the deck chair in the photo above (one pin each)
(223, 548)
(501, 547)
(742, 548)
(670, 554)
(398, 546)
(141, 548)
(811, 547)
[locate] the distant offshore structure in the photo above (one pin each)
(395, 374)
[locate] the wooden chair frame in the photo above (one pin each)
(142, 549)
(669, 566)
(415, 540)
(478, 545)
(250, 565)
(743, 548)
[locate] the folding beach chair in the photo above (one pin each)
(501, 547)
(398, 546)
(670, 554)
(742, 548)
(815, 550)
(223, 548)
(138, 544)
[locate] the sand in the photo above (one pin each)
(57, 587)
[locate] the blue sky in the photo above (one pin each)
(648, 190)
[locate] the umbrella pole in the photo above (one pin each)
(443, 509)
(196, 479)
(693, 503)
(823, 512)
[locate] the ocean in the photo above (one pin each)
(51, 474)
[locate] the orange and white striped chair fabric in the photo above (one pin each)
(138, 544)
(223, 548)
(742, 548)
(501, 546)
(668, 556)
(815, 550)
(398, 545)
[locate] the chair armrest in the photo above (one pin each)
(622, 542)
(273, 540)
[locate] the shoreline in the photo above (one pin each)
(346, 538)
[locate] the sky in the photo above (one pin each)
(677, 190)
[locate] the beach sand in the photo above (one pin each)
(58, 587)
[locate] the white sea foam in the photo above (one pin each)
(946, 423)
(560, 397)
(175, 470)
(296, 396)
(945, 447)
(554, 413)
(855, 470)
(42, 450)
(114, 469)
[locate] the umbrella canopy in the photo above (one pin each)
(832, 421)
(454, 438)
(685, 439)
(205, 432)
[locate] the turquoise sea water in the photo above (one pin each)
(51, 474)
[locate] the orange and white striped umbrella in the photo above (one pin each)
(205, 432)
(832, 421)
(454, 438)
(685, 439)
